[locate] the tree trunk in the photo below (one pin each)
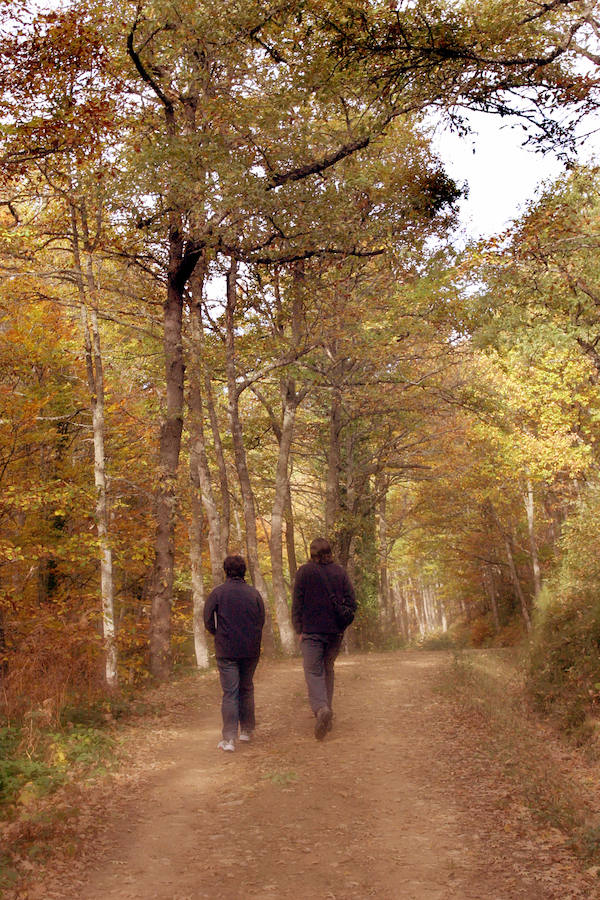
(198, 465)
(3, 653)
(442, 612)
(282, 505)
(385, 605)
(535, 564)
(95, 374)
(290, 542)
(489, 509)
(425, 592)
(332, 490)
(195, 534)
(405, 617)
(161, 584)
(221, 465)
(282, 612)
(202, 477)
(516, 582)
(489, 584)
(249, 506)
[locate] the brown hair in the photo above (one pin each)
(320, 551)
(234, 566)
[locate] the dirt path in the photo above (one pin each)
(397, 802)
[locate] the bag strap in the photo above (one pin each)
(323, 577)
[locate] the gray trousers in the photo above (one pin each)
(238, 695)
(319, 652)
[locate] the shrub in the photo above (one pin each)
(481, 632)
(437, 641)
(564, 666)
(35, 762)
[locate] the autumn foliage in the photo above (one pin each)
(233, 315)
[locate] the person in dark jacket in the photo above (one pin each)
(235, 613)
(314, 619)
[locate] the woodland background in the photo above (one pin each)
(234, 315)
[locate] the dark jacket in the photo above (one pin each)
(235, 613)
(312, 606)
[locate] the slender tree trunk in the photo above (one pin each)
(425, 594)
(508, 547)
(195, 535)
(288, 392)
(489, 584)
(238, 528)
(286, 632)
(516, 582)
(298, 334)
(554, 523)
(249, 506)
(196, 452)
(3, 654)
(197, 437)
(290, 542)
(95, 374)
(385, 605)
(404, 614)
(332, 490)
(169, 448)
(399, 610)
(282, 498)
(442, 613)
(535, 563)
(416, 602)
(225, 517)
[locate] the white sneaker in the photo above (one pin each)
(226, 745)
(244, 736)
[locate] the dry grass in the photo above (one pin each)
(555, 779)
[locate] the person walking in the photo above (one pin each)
(235, 613)
(322, 606)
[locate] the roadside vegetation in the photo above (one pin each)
(551, 775)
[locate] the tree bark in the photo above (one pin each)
(282, 499)
(195, 534)
(95, 375)
(225, 517)
(169, 449)
(385, 605)
(508, 547)
(3, 653)
(282, 612)
(535, 563)
(489, 584)
(290, 541)
(516, 582)
(198, 466)
(248, 504)
(332, 490)
(202, 475)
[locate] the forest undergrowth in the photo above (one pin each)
(557, 777)
(50, 769)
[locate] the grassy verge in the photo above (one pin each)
(34, 763)
(551, 777)
(44, 767)
(53, 776)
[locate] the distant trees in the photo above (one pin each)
(524, 435)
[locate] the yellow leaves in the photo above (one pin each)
(58, 756)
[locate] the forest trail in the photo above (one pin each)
(399, 801)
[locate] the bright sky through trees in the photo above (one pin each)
(502, 174)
